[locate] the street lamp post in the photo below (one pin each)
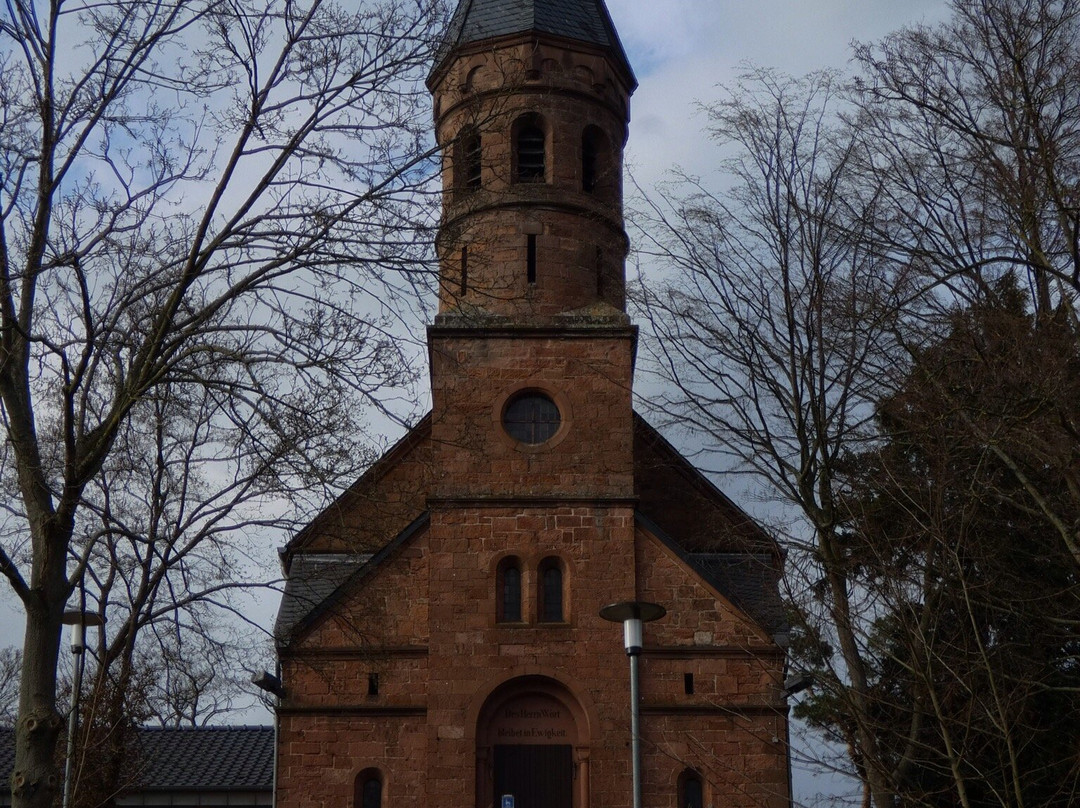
(633, 614)
(78, 620)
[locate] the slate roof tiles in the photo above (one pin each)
(220, 758)
(581, 20)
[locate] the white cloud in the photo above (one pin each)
(683, 49)
(793, 35)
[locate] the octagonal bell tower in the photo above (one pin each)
(531, 102)
(531, 107)
(532, 360)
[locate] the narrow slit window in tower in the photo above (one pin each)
(531, 258)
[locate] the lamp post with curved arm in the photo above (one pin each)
(633, 614)
(78, 620)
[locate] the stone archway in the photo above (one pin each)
(532, 742)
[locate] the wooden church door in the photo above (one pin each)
(537, 775)
(532, 745)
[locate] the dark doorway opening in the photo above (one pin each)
(539, 776)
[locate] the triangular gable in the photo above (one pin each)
(686, 505)
(748, 582)
(299, 610)
(380, 504)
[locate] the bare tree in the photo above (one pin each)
(977, 125)
(208, 227)
(800, 304)
(773, 331)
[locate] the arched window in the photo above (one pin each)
(509, 591)
(368, 789)
(691, 792)
(551, 591)
(470, 79)
(530, 150)
(469, 163)
(596, 163)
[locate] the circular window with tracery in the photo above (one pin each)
(531, 417)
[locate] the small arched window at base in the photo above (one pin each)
(691, 790)
(368, 789)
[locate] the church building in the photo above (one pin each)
(440, 637)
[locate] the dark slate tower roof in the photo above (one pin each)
(582, 20)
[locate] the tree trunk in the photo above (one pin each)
(881, 793)
(35, 777)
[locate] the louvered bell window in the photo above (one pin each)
(530, 154)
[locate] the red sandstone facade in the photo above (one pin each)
(408, 679)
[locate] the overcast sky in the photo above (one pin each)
(682, 49)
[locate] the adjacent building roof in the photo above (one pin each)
(581, 20)
(207, 758)
(185, 762)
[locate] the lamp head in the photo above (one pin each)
(632, 614)
(79, 620)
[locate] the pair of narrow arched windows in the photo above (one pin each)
(532, 159)
(596, 158)
(549, 591)
(530, 155)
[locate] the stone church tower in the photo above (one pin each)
(439, 636)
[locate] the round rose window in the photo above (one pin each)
(531, 417)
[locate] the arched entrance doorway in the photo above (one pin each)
(532, 745)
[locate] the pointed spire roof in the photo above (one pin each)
(582, 20)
